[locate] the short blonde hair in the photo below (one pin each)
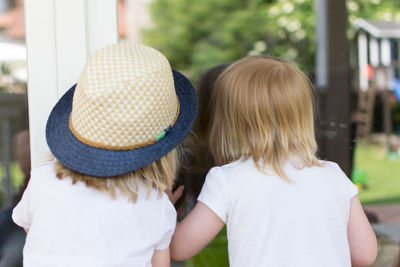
(159, 175)
(263, 108)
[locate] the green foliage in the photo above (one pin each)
(4, 69)
(196, 35)
(17, 179)
(388, 10)
(17, 176)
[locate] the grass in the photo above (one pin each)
(382, 173)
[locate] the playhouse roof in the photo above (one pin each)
(379, 29)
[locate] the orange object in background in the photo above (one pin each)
(370, 72)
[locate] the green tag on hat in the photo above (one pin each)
(160, 135)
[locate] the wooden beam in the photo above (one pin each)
(334, 137)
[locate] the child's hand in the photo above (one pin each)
(174, 196)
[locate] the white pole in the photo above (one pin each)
(60, 35)
(321, 70)
(363, 61)
(374, 52)
(385, 52)
(102, 23)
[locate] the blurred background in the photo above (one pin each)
(350, 50)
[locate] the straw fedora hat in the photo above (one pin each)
(128, 109)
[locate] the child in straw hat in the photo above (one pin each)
(282, 206)
(113, 134)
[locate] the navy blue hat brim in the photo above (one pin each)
(104, 162)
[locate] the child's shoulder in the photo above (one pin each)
(235, 167)
(331, 166)
(329, 171)
(45, 169)
(45, 166)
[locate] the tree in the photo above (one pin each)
(195, 35)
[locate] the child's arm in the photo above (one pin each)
(198, 228)
(362, 239)
(161, 258)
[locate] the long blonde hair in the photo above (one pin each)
(159, 175)
(263, 108)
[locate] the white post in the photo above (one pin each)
(386, 60)
(363, 61)
(374, 51)
(321, 69)
(385, 52)
(60, 36)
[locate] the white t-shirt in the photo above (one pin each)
(74, 225)
(274, 223)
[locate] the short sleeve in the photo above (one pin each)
(350, 189)
(22, 213)
(169, 225)
(213, 194)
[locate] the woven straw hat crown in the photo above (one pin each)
(125, 98)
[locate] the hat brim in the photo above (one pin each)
(104, 162)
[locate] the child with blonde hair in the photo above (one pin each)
(281, 205)
(101, 202)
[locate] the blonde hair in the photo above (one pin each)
(263, 108)
(159, 175)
